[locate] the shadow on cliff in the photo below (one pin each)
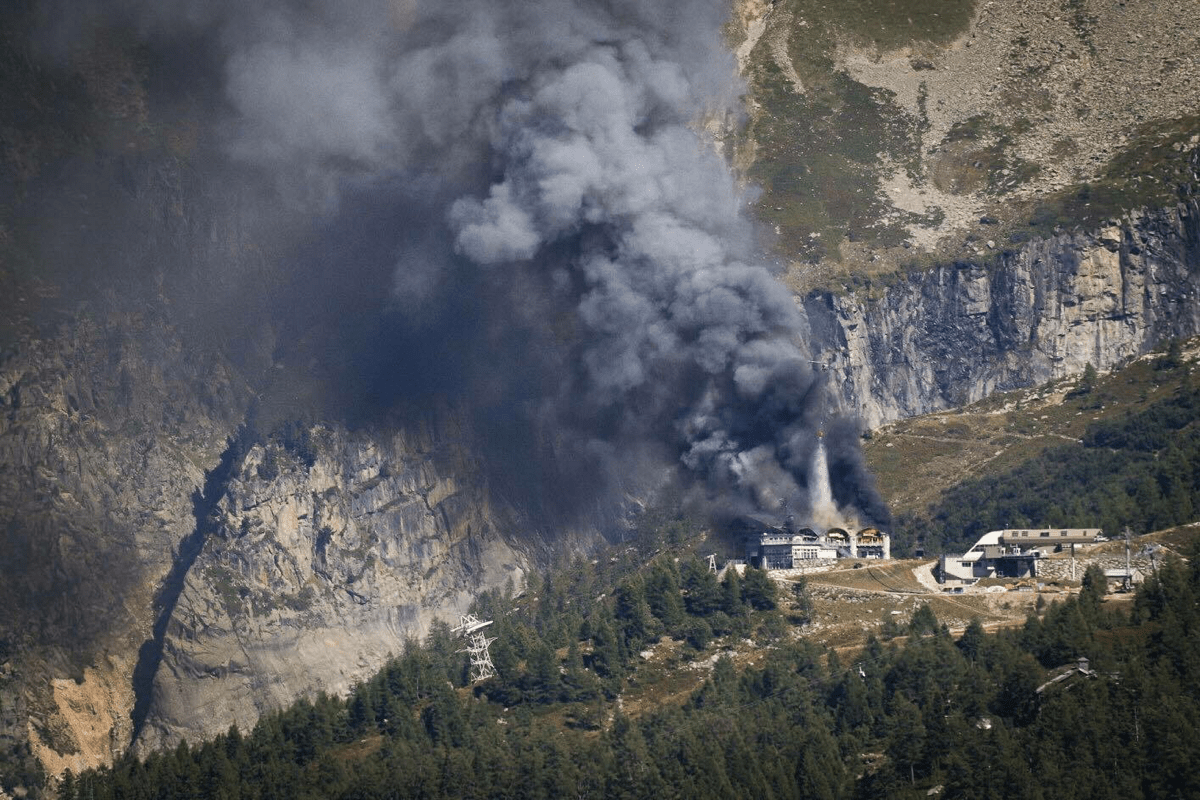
(204, 503)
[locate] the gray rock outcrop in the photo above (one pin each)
(107, 427)
(957, 333)
(315, 572)
(127, 615)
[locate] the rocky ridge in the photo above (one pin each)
(106, 430)
(954, 334)
(163, 579)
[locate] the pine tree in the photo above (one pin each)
(758, 590)
(703, 594)
(633, 615)
(971, 642)
(731, 593)
(664, 597)
(606, 651)
(543, 682)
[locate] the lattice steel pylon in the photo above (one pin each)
(477, 646)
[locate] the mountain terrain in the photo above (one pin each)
(212, 501)
(681, 681)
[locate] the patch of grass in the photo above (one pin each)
(917, 460)
(817, 162)
(1151, 172)
(1179, 539)
(359, 751)
(224, 583)
(889, 577)
(818, 153)
(889, 24)
(976, 155)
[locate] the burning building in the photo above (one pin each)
(827, 536)
(790, 546)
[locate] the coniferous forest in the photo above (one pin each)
(973, 714)
(1140, 469)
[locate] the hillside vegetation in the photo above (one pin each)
(890, 135)
(974, 716)
(1108, 451)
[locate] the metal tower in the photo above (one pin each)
(477, 645)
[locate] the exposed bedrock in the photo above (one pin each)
(956, 333)
(319, 564)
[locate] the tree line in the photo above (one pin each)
(1140, 470)
(896, 719)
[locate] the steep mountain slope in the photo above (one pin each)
(178, 550)
(147, 323)
(890, 133)
(159, 562)
(105, 434)
(975, 197)
(317, 566)
(956, 333)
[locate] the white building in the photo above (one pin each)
(1013, 552)
(771, 547)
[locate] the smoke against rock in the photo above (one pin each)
(572, 251)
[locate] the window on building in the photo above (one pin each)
(1045, 533)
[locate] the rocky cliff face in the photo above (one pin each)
(321, 562)
(106, 429)
(163, 577)
(954, 334)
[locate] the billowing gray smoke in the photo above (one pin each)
(571, 260)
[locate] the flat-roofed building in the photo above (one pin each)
(1013, 552)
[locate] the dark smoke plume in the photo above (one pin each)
(569, 255)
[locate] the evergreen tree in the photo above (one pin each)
(731, 593)
(971, 643)
(758, 590)
(802, 604)
(702, 593)
(543, 683)
(923, 621)
(606, 651)
(664, 596)
(633, 615)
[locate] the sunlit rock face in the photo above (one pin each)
(108, 423)
(956, 333)
(319, 566)
(161, 581)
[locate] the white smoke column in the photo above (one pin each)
(823, 509)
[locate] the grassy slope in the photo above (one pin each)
(816, 152)
(918, 461)
(820, 152)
